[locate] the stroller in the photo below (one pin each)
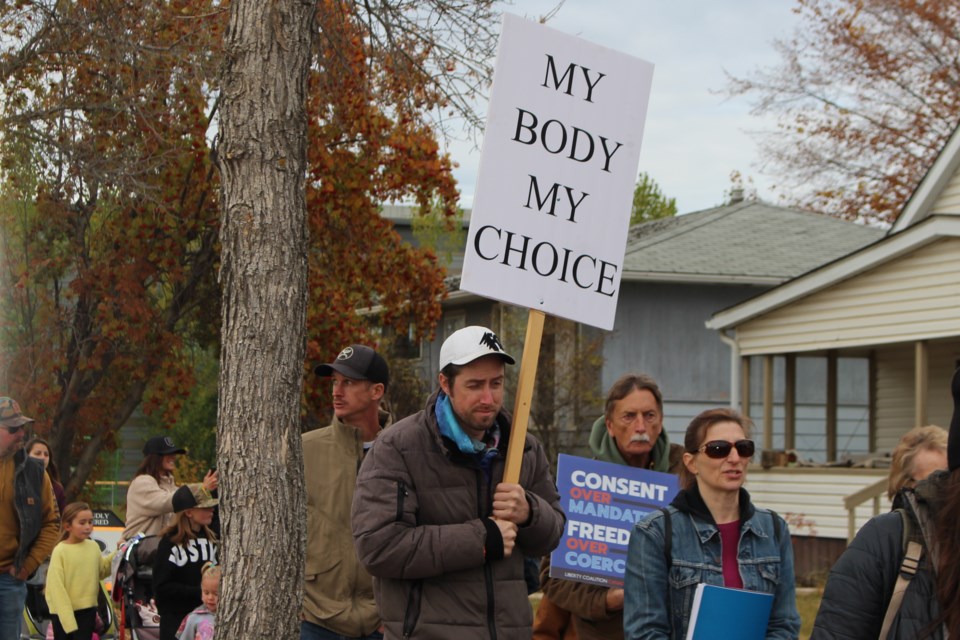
(36, 624)
(133, 588)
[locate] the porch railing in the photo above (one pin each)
(851, 502)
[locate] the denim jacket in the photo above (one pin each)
(657, 604)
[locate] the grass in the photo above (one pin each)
(808, 601)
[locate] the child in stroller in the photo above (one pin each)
(133, 588)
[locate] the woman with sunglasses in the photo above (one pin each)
(717, 536)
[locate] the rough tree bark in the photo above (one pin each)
(262, 160)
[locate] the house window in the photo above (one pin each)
(453, 321)
(406, 345)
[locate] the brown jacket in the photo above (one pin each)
(418, 523)
(586, 604)
(337, 591)
(26, 496)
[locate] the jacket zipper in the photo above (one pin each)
(487, 569)
(401, 494)
(412, 613)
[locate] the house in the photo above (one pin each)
(894, 303)
(677, 272)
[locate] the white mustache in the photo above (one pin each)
(639, 437)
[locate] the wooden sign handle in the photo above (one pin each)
(521, 410)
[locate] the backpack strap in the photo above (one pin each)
(776, 526)
(667, 537)
(668, 552)
(908, 568)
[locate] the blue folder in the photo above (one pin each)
(720, 613)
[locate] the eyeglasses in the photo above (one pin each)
(719, 449)
(13, 430)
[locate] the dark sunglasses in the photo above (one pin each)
(720, 449)
(13, 430)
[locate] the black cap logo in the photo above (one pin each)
(491, 341)
(346, 354)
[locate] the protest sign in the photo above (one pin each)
(555, 185)
(603, 501)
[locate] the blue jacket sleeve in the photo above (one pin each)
(646, 586)
(784, 617)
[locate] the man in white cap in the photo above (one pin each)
(29, 520)
(338, 592)
(433, 522)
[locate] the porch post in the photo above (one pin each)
(768, 402)
(790, 402)
(921, 379)
(745, 386)
(872, 401)
(831, 422)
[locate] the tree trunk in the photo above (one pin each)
(262, 160)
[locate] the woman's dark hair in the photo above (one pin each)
(152, 465)
(697, 432)
(51, 466)
(626, 385)
(947, 535)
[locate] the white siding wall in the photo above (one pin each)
(916, 296)
(895, 388)
(949, 199)
(895, 397)
(811, 500)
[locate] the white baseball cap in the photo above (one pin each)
(467, 344)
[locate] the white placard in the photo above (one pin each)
(559, 164)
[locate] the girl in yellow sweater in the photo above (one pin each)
(73, 580)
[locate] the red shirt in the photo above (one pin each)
(729, 543)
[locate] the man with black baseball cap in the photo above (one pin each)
(338, 594)
(433, 521)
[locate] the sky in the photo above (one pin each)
(694, 137)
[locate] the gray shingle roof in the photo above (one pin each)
(747, 240)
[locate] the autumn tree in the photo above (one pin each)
(109, 226)
(111, 237)
(649, 203)
(866, 92)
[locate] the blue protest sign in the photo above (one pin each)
(602, 502)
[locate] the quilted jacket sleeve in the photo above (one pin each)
(389, 541)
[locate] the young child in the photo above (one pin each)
(199, 624)
(73, 580)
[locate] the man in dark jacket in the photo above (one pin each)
(629, 433)
(29, 520)
(442, 535)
